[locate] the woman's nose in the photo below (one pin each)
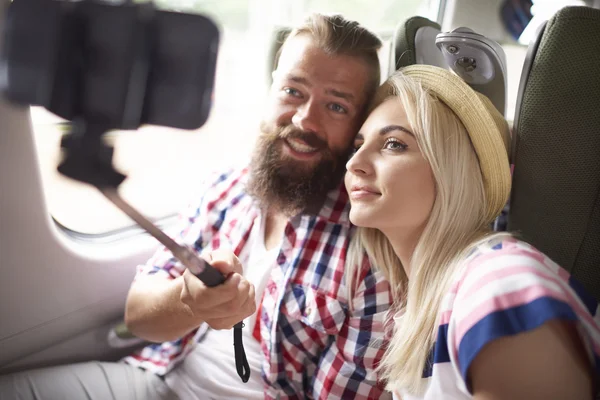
(358, 163)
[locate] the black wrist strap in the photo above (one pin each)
(241, 363)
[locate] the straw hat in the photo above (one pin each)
(487, 129)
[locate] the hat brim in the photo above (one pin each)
(477, 116)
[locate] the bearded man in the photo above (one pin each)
(279, 231)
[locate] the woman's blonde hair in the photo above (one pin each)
(457, 224)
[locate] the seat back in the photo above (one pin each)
(555, 201)
(277, 38)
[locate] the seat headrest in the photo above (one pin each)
(477, 59)
(414, 43)
(277, 38)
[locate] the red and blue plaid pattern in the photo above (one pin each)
(317, 343)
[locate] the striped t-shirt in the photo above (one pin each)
(507, 287)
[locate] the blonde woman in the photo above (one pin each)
(477, 315)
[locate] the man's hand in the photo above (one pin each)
(224, 305)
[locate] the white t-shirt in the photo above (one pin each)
(209, 372)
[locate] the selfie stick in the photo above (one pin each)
(144, 70)
(197, 266)
(88, 159)
(200, 268)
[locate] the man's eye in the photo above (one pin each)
(292, 92)
(337, 108)
(394, 145)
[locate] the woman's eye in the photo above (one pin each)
(394, 145)
(337, 108)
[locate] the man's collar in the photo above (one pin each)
(336, 206)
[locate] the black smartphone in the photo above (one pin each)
(118, 66)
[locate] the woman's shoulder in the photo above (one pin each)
(508, 287)
(505, 256)
(504, 266)
(503, 244)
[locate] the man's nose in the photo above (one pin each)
(307, 117)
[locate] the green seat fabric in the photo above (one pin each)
(555, 202)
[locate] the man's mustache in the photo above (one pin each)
(310, 138)
(274, 132)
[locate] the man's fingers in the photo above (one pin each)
(243, 304)
(248, 306)
(242, 312)
(234, 298)
(199, 296)
(224, 305)
(236, 311)
(225, 261)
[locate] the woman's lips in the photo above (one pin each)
(363, 192)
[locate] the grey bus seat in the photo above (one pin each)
(277, 38)
(414, 43)
(555, 201)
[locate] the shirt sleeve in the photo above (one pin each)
(188, 231)
(514, 290)
(347, 367)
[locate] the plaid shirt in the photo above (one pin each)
(317, 343)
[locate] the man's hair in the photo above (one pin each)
(336, 35)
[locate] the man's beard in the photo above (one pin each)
(289, 185)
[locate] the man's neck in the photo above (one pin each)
(274, 227)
